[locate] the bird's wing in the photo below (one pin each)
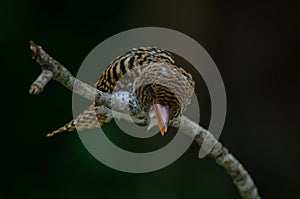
(85, 120)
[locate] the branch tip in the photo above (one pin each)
(35, 89)
(34, 49)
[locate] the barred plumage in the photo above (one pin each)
(165, 84)
(136, 58)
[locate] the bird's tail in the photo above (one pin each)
(85, 120)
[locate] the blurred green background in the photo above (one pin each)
(252, 43)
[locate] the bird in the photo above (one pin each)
(151, 75)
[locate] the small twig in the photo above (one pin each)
(53, 69)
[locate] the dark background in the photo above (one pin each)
(252, 43)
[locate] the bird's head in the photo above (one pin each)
(166, 89)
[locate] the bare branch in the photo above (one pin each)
(53, 69)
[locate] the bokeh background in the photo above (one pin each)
(252, 43)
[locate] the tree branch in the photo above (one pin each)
(53, 69)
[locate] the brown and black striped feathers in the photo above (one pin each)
(137, 58)
(176, 91)
(164, 84)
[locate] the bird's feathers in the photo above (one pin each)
(150, 59)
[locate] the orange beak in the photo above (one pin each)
(162, 114)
